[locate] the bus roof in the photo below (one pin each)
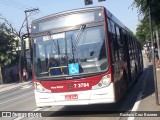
(67, 12)
(109, 15)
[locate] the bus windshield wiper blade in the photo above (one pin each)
(55, 47)
(78, 36)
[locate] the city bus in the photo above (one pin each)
(83, 56)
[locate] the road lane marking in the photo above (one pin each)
(136, 105)
(16, 98)
(37, 109)
(19, 118)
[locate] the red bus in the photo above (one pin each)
(83, 56)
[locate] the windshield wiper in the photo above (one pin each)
(74, 45)
(78, 36)
(54, 44)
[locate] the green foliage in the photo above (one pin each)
(143, 29)
(143, 7)
(8, 52)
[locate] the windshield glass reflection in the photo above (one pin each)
(64, 54)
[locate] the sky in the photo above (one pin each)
(13, 10)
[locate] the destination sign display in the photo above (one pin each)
(67, 20)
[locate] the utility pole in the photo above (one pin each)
(28, 33)
(158, 46)
(153, 55)
(26, 17)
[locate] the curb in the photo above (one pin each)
(16, 86)
(12, 89)
(6, 85)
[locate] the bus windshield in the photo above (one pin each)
(70, 53)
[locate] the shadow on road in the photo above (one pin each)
(124, 105)
(89, 110)
(149, 88)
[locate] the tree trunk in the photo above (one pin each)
(1, 81)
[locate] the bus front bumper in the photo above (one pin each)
(97, 96)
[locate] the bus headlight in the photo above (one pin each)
(40, 88)
(104, 82)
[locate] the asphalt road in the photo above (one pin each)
(22, 99)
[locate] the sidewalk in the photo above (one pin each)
(148, 100)
(11, 86)
(158, 83)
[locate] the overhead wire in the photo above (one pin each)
(26, 6)
(20, 6)
(2, 2)
(15, 4)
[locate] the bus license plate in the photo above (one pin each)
(71, 97)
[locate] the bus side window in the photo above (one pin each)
(118, 36)
(131, 48)
(122, 46)
(125, 43)
(116, 47)
(110, 38)
(135, 48)
(120, 51)
(122, 36)
(109, 25)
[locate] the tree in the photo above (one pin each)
(18, 34)
(143, 6)
(143, 30)
(8, 52)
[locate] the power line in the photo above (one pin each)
(15, 4)
(11, 5)
(20, 4)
